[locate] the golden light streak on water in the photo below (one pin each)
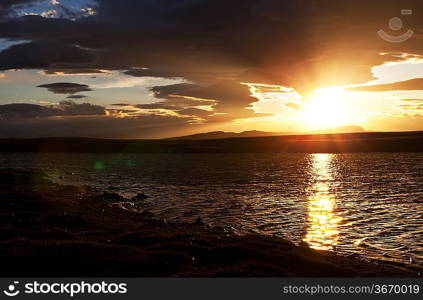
(322, 232)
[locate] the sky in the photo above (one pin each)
(163, 68)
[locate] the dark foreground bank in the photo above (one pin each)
(48, 230)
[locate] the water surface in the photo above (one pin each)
(367, 204)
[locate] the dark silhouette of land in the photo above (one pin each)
(308, 143)
(255, 133)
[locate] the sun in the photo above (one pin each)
(325, 109)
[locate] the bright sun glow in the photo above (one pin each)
(325, 109)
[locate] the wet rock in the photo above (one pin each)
(163, 222)
(147, 214)
(199, 221)
(126, 205)
(111, 197)
(139, 196)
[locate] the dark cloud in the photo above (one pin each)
(64, 108)
(22, 110)
(66, 87)
(413, 84)
(7, 6)
(149, 126)
(303, 44)
(190, 111)
(165, 91)
(230, 96)
(195, 112)
(158, 105)
(153, 73)
(37, 28)
(176, 97)
(120, 104)
(229, 100)
(76, 97)
(68, 107)
(207, 41)
(226, 97)
(37, 55)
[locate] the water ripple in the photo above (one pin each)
(366, 203)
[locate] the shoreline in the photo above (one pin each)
(52, 230)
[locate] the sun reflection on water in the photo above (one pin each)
(322, 232)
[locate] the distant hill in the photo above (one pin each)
(213, 135)
(254, 133)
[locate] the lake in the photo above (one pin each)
(367, 204)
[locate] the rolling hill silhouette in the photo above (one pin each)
(256, 133)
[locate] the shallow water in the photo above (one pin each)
(368, 204)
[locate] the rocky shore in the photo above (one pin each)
(50, 230)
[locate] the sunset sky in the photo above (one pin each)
(161, 68)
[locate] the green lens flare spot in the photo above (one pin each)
(99, 165)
